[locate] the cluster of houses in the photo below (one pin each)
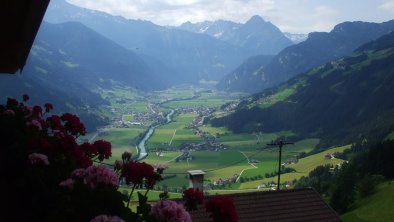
(185, 156)
(329, 156)
(273, 186)
(139, 118)
(225, 181)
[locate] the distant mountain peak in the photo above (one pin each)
(256, 19)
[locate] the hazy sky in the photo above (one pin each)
(297, 16)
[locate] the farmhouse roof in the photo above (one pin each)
(280, 206)
(19, 23)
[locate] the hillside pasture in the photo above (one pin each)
(377, 207)
(251, 141)
(303, 167)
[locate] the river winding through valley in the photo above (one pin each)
(141, 145)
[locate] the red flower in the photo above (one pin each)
(73, 124)
(82, 160)
(222, 209)
(37, 111)
(67, 142)
(103, 148)
(25, 97)
(48, 107)
(54, 122)
(12, 102)
(135, 172)
(118, 164)
(41, 144)
(192, 197)
(89, 149)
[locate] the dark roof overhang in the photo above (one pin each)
(19, 24)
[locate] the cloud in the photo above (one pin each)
(297, 16)
(175, 12)
(389, 6)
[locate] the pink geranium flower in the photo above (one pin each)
(106, 218)
(69, 183)
(36, 123)
(95, 175)
(9, 112)
(38, 159)
(78, 173)
(170, 211)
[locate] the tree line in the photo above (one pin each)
(368, 164)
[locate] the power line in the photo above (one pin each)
(280, 143)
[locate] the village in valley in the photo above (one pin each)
(182, 139)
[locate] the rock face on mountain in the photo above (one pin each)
(319, 48)
(256, 36)
(341, 100)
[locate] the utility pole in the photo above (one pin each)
(280, 143)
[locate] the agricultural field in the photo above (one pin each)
(268, 157)
(244, 154)
(125, 100)
(243, 141)
(207, 98)
(176, 93)
(174, 133)
(127, 118)
(302, 168)
(217, 165)
(122, 139)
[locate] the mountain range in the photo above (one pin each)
(188, 56)
(257, 36)
(79, 50)
(319, 48)
(339, 101)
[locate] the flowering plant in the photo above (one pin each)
(222, 209)
(170, 211)
(192, 198)
(53, 175)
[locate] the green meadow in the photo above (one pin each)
(376, 207)
(243, 141)
(122, 139)
(216, 165)
(174, 133)
(202, 98)
(127, 118)
(302, 168)
(390, 136)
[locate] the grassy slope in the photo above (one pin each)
(303, 167)
(390, 136)
(268, 158)
(377, 207)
